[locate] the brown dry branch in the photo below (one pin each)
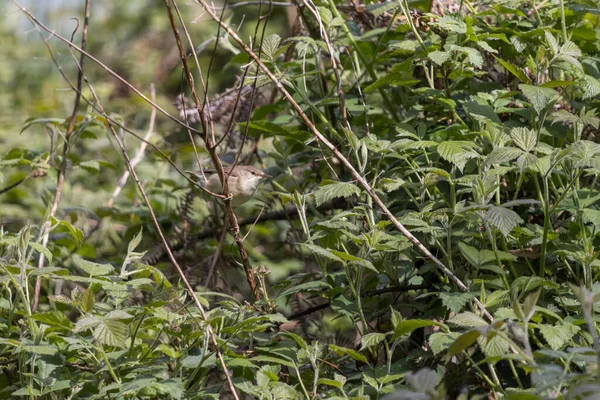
(347, 164)
(211, 148)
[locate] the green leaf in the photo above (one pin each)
(439, 57)
(463, 342)
(441, 341)
(342, 351)
(524, 138)
(110, 332)
(455, 302)
(558, 335)
(513, 69)
(315, 286)
(334, 190)
(457, 152)
(135, 241)
(410, 325)
(371, 339)
(76, 233)
(539, 97)
(270, 45)
(42, 250)
(468, 320)
(504, 219)
(320, 251)
(92, 268)
(502, 155)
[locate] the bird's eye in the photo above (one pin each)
(253, 173)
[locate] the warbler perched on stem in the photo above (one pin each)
(242, 181)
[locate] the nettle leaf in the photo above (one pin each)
(552, 42)
(111, 332)
(468, 320)
(503, 219)
(473, 55)
(92, 268)
(502, 155)
(440, 341)
(318, 250)
(455, 302)
(463, 342)
(270, 45)
(539, 97)
(513, 69)
(558, 335)
(524, 138)
(590, 87)
(371, 339)
(494, 345)
(409, 325)
(334, 190)
(457, 152)
(439, 57)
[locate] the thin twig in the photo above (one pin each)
(45, 230)
(139, 156)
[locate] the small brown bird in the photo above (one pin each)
(242, 183)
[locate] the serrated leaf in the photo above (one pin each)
(439, 57)
(335, 190)
(494, 345)
(135, 241)
(513, 69)
(502, 155)
(315, 286)
(463, 342)
(320, 251)
(371, 339)
(457, 152)
(552, 42)
(85, 323)
(539, 97)
(524, 138)
(468, 320)
(590, 87)
(503, 219)
(270, 45)
(441, 341)
(410, 325)
(110, 332)
(92, 268)
(455, 302)
(558, 335)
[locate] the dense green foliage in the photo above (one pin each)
(475, 123)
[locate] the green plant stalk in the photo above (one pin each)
(109, 366)
(300, 380)
(563, 21)
(492, 238)
(478, 369)
(135, 331)
(546, 229)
